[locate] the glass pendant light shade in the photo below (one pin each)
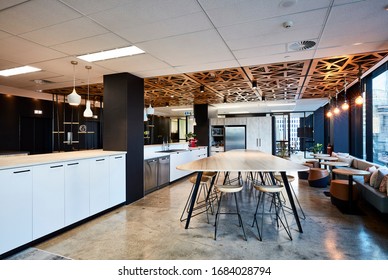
(345, 106)
(74, 98)
(359, 100)
(88, 112)
(336, 110)
(329, 114)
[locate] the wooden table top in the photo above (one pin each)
(335, 163)
(245, 161)
(322, 155)
(350, 171)
(326, 158)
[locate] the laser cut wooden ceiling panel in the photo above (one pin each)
(316, 78)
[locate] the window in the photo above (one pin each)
(380, 118)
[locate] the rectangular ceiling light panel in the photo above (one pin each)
(18, 71)
(116, 53)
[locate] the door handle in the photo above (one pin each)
(21, 171)
(71, 164)
(257, 142)
(260, 142)
(56, 166)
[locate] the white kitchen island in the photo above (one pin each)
(40, 194)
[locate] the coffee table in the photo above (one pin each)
(350, 172)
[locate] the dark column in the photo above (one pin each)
(123, 126)
(202, 127)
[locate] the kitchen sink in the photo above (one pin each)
(172, 151)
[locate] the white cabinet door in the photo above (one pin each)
(77, 182)
(265, 134)
(259, 134)
(253, 133)
(99, 184)
(48, 199)
(15, 208)
(117, 184)
(175, 160)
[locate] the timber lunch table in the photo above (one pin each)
(243, 161)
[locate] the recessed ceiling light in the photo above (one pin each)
(18, 71)
(357, 44)
(115, 53)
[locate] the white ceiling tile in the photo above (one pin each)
(207, 66)
(101, 42)
(93, 6)
(35, 14)
(65, 32)
(193, 48)
(156, 72)
(166, 28)
(260, 51)
(224, 13)
(144, 12)
(11, 49)
(6, 4)
(277, 58)
(133, 63)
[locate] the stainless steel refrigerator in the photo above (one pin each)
(235, 137)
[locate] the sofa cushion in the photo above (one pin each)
(370, 169)
(362, 164)
(383, 184)
(381, 172)
(373, 178)
(348, 159)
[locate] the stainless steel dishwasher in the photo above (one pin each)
(150, 175)
(164, 171)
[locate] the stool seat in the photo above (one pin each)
(339, 189)
(229, 188)
(318, 177)
(204, 179)
(268, 189)
(279, 178)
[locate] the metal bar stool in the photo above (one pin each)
(273, 191)
(290, 179)
(202, 205)
(228, 189)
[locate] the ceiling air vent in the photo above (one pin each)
(301, 45)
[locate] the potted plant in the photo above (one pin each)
(317, 148)
(192, 140)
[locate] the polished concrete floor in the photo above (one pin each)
(150, 229)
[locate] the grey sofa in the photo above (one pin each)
(377, 199)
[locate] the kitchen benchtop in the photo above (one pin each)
(30, 160)
(151, 154)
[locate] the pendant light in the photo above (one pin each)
(345, 105)
(88, 112)
(74, 98)
(359, 99)
(150, 110)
